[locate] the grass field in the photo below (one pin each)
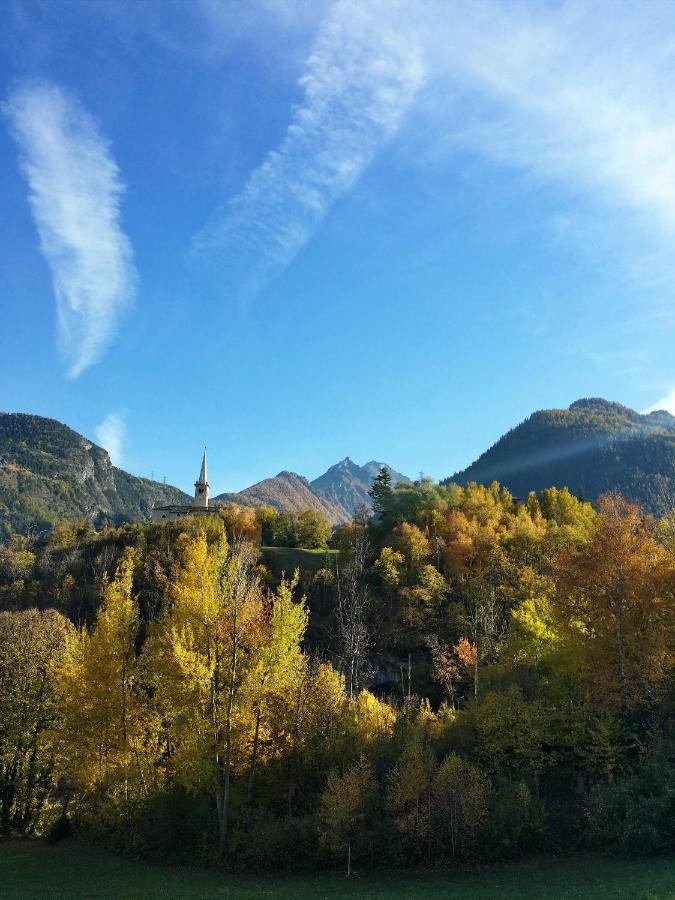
(287, 559)
(30, 870)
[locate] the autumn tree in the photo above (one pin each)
(346, 809)
(445, 668)
(410, 796)
(29, 715)
(388, 567)
(199, 654)
(241, 523)
(273, 678)
(95, 677)
(266, 517)
(460, 805)
(616, 598)
(313, 530)
(352, 607)
(317, 733)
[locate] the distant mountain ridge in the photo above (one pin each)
(50, 473)
(593, 447)
(345, 485)
(286, 492)
(337, 493)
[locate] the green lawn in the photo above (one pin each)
(32, 870)
(287, 559)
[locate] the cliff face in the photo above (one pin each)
(50, 473)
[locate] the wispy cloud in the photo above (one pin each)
(667, 403)
(74, 194)
(111, 434)
(576, 96)
(359, 80)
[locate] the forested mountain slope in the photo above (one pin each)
(592, 448)
(50, 473)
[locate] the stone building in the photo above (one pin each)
(199, 506)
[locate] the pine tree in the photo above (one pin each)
(380, 492)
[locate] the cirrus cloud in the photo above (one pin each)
(360, 78)
(576, 97)
(74, 195)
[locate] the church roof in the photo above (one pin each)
(184, 508)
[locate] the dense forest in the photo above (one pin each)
(455, 677)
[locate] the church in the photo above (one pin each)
(200, 505)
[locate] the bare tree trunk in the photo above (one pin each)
(214, 731)
(409, 677)
(125, 736)
(475, 672)
(351, 611)
(254, 760)
(228, 745)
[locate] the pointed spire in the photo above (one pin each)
(202, 474)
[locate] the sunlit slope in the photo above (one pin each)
(286, 492)
(592, 448)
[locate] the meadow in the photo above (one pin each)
(29, 869)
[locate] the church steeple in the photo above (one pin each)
(202, 486)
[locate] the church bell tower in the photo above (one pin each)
(202, 486)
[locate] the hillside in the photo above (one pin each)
(50, 473)
(286, 492)
(345, 485)
(592, 448)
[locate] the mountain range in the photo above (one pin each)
(50, 473)
(286, 492)
(337, 493)
(345, 485)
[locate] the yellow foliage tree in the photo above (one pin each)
(275, 673)
(346, 805)
(29, 714)
(460, 805)
(102, 738)
(200, 653)
(409, 796)
(616, 598)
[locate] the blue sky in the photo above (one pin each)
(299, 231)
